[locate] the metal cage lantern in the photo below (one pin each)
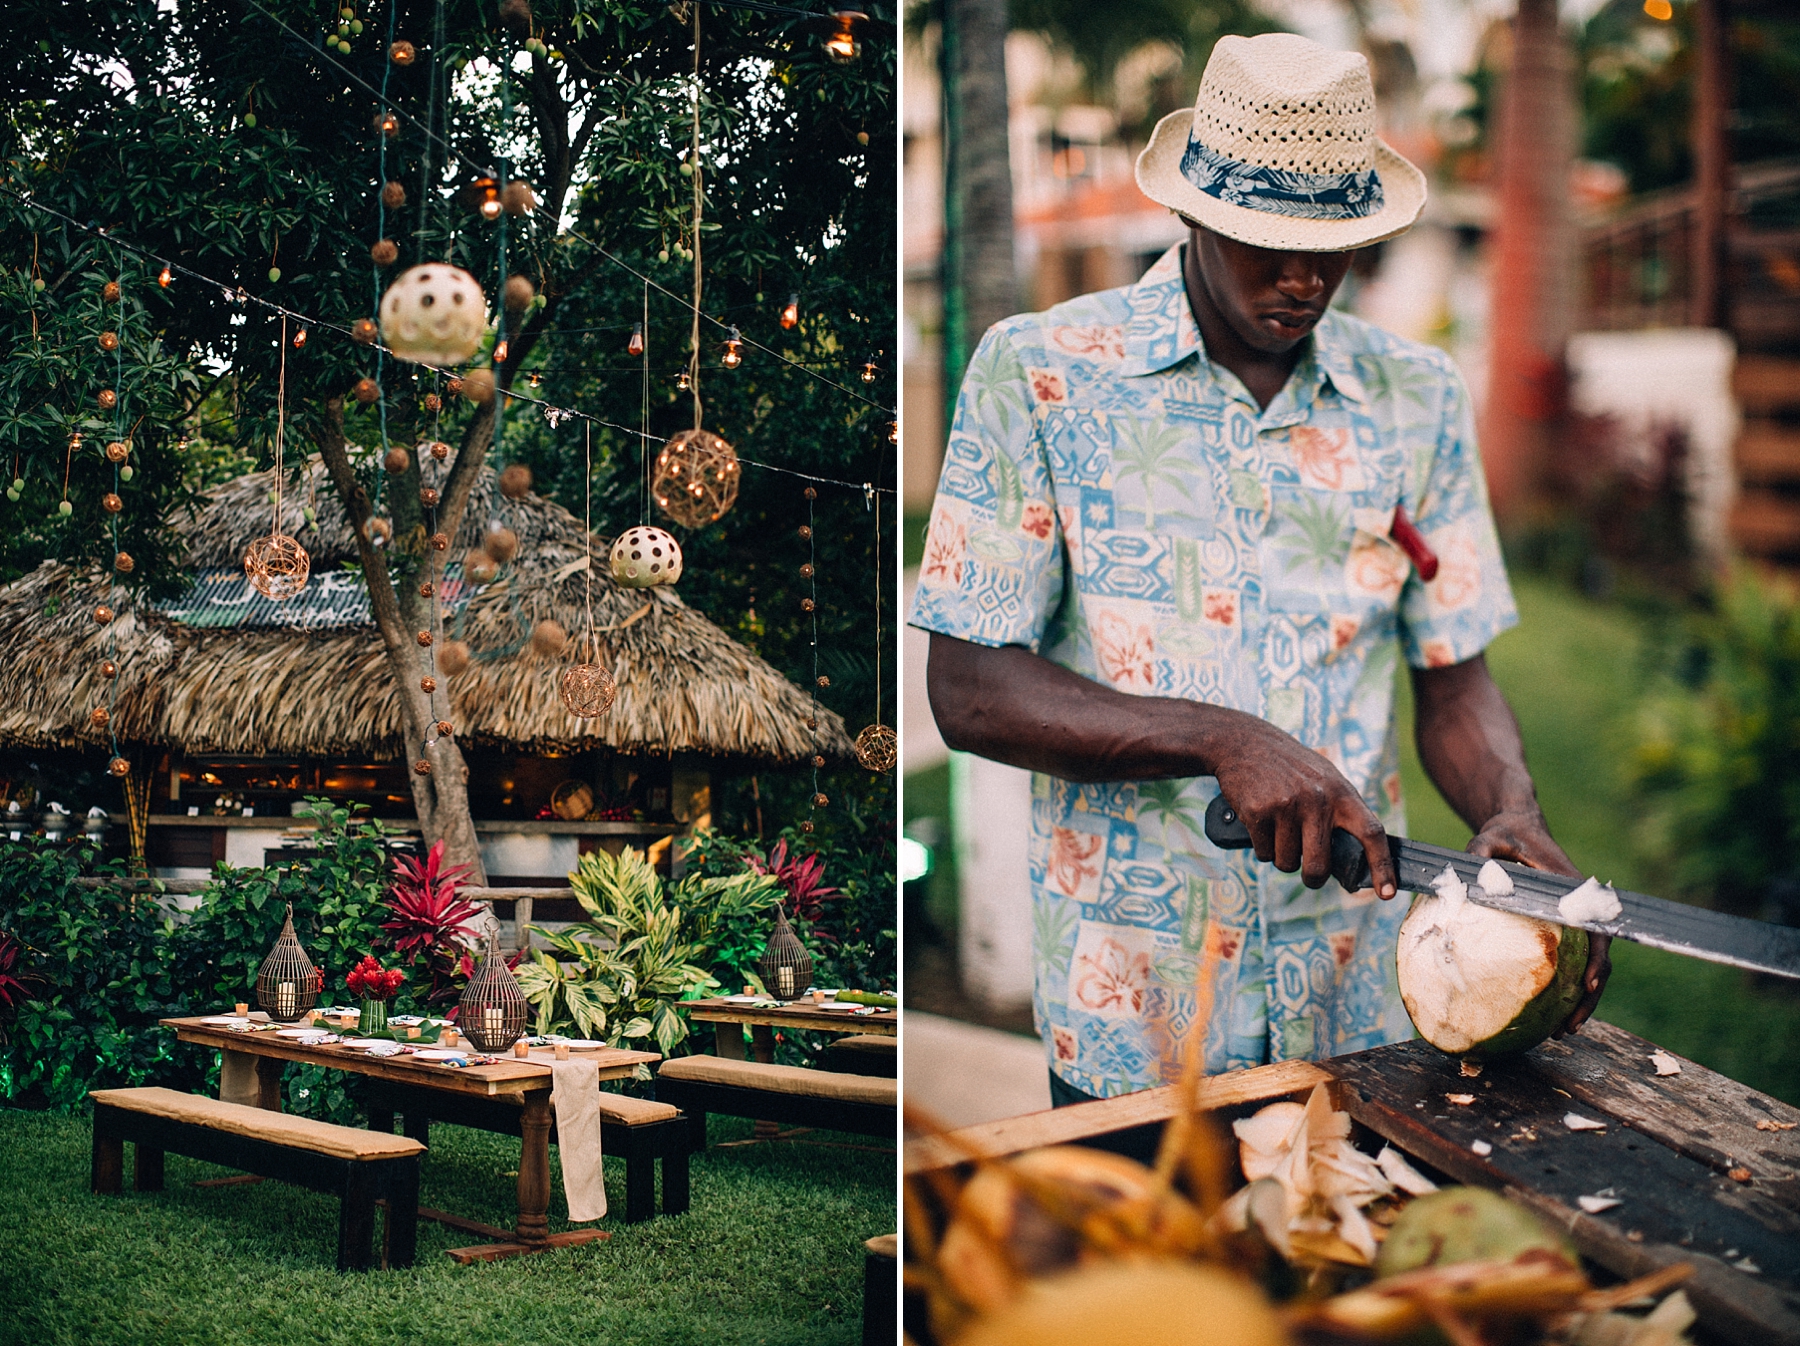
(785, 966)
(287, 984)
(492, 1011)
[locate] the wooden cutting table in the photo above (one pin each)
(765, 1019)
(1706, 1170)
(250, 1072)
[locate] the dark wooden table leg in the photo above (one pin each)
(534, 1168)
(356, 1218)
(147, 1171)
(108, 1176)
(728, 1041)
(762, 1037)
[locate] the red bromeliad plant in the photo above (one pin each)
(370, 981)
(802, 876)
(430, 920)
(12, 990)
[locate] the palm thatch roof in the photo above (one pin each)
(214, 673)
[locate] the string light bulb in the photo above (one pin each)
(537, 379)
(489, 205)
(387, 124)
(166, 278)
(300, 339)
(868, 372)
(790, 312)
(1659, 9)
(842, 45)
(734, 350)
(500, 353)
(681, 382)
(635, 346)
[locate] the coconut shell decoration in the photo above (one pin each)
(501, 543)
(434, 314)
(366, 391)
(397, 460)
(515, 481)
(696, 478)
(517, 294)
(644, 557)
(479, 567)
(378, 531)
(393, 194)
(384, 252)
(453, 658)
(548, 638)
(517, 198)
(477, 386)
(277, 567)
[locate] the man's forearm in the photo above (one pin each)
(1469, 743)
(1017, 707)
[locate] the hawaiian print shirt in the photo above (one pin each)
(1116, 502)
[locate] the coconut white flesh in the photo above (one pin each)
(1466, 971)
(1402, 1174)
(1590, 902)
(1495, 880)
(1263, 1138)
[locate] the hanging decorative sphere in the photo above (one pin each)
(445, 729)
(378, 531)
(123, 563)
(823, 680)
(107, 399)
(518, 292)
(111, 503)
(428, 497)
(109, 292)
(806, 825)
(453, 658)
(818, 760)
(277, 567)
(875, 748)
(479, 568)
(108, 669)
(518, 198)
(820, 800)
(109, 341)
(501, 543)
(434, 403)
(384, 252)
(425, 639)
(119, 767)
(402, 53)
(434, 314)
(806, 571)
(588, 690)
(99, 717)
(805, 531)
(515, 481)
(548, 638)
(393, 194)
(440, 542)
(397, 460)
(103, 614)
(807, 605)
(422, 767)
(366, 391)
(644, 557)
(435, 447)
(477, 386)
(427, 589)
(696, 478)
(117, 451)
(428, 685)
(363, 331)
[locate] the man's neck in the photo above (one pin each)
(1263, 373)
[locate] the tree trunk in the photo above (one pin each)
(979, 282)
(1533, 260)
(1712, 166)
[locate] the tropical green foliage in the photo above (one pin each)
(1718, 749)
(620, 975)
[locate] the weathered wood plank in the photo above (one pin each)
(1072, 1125)
(1675, 1207)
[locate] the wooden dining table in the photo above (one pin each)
(764, 1018)
(251, 1064)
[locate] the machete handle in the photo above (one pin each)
(1349, 862)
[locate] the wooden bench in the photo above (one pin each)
(881, 1281)
(636, 1130)
(702, 1084)
(864, 1054)
(358, 1167)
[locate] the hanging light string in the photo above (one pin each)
(309, 321)
(387, 70)
(435, 75)
(450, 150)
(870, 497)
(644, 422)
(112, 635)
(694, 165)
(812, 608)
(588, 648)
(280, 425)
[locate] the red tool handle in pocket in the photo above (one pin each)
(1412, 542)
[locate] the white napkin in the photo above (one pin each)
(576, 1097)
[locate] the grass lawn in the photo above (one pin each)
(1570, 670)
(771, 1253)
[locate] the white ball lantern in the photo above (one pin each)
(644, 557)
(434, 314)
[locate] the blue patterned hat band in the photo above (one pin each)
(1278, 191)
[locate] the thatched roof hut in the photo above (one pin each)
(222, 670)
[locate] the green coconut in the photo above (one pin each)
(1466, 1224)
(1481, 982)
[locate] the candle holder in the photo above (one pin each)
(492, 1010)
(287, 984)
(785, 966)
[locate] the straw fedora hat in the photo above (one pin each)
(1280, 151)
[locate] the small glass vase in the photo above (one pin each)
(374, 1018)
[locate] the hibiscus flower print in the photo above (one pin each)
(1438, 654)
(1223, 943)
(1343, 946)
(946, 545)
(1065, 1043)
(1344, 627)
(1110, 979)
(1038, 520)
(1458, 581)
(1046, 385)
(1126, 652)
(1325, 459)
(1376, 569)
(1070, 853)
(1107, 342)
(1219, 606)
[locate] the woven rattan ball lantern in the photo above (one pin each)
(786, 967)
(875, 748)
(277, 567)
(644, 557)
(287, 984)
(588, 690)
(696, 478)
(434, 314)
(492, 1011)
(119, 767)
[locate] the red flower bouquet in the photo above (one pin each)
(368, 980)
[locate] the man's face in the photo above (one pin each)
(1271, 300)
